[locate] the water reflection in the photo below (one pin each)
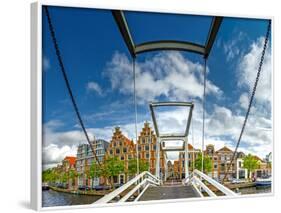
(53, 198)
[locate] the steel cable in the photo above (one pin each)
(59, 57)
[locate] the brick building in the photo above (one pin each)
(147, 149)
(123, 148)
(192, 155)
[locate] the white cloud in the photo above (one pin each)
(167, 74)
(248, 70)
(53, 154)
(244, 100)
(93, 86)
(231, 47)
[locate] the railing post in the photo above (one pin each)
(186, 158)
(158, 158)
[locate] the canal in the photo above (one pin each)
(53, 198)
(255, 190)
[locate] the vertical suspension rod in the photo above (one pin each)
(136, 113)
(203, 114)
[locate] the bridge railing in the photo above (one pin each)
(197, 178)
(141, 181)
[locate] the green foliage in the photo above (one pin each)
(72, 174)
(143, 165)
(47, 175)
(207, 164)
(132, 166)
(50, 175)
(113, 166)
(64, 177)
(250, 163)
(95, 170)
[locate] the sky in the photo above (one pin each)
(99, 68)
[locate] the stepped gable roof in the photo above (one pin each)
(126, 141)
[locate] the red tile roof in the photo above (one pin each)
(71, 160)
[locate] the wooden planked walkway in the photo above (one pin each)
(168, 192)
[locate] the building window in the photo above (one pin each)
(143, 140)
(147, 148)
(215, 166)
(122, 157)
(117, 151)
(147, 155)
(139, 148)
(154, 147)
(124, 150)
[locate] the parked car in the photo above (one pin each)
(117, 185)
(87, 188)
(60, 185)
(99, 188)
(82, 187)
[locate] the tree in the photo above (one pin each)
(143, 165)
(64, 177)
(207, 164)
(72, 175)
(250, 163)
(95, 170)
(113, 166)
(50, 175)
(47, 175)
(132, 166)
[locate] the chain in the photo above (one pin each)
(252, 97)
(58, 54)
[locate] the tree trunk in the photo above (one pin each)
(112, 182)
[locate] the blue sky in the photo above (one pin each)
(100, 73)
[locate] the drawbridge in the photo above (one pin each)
(147, 187)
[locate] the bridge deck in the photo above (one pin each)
(168, 192)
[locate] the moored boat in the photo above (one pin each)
(263, 181)
(45, 186)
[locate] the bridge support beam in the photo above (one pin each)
(186, 158)
(157, 173)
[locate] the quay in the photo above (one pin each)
(82, 192)
(234, 186)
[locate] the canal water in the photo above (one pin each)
(53, 198)
(255, 190)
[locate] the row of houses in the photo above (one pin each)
(125, 149)
(121, 147)
(221, 164)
